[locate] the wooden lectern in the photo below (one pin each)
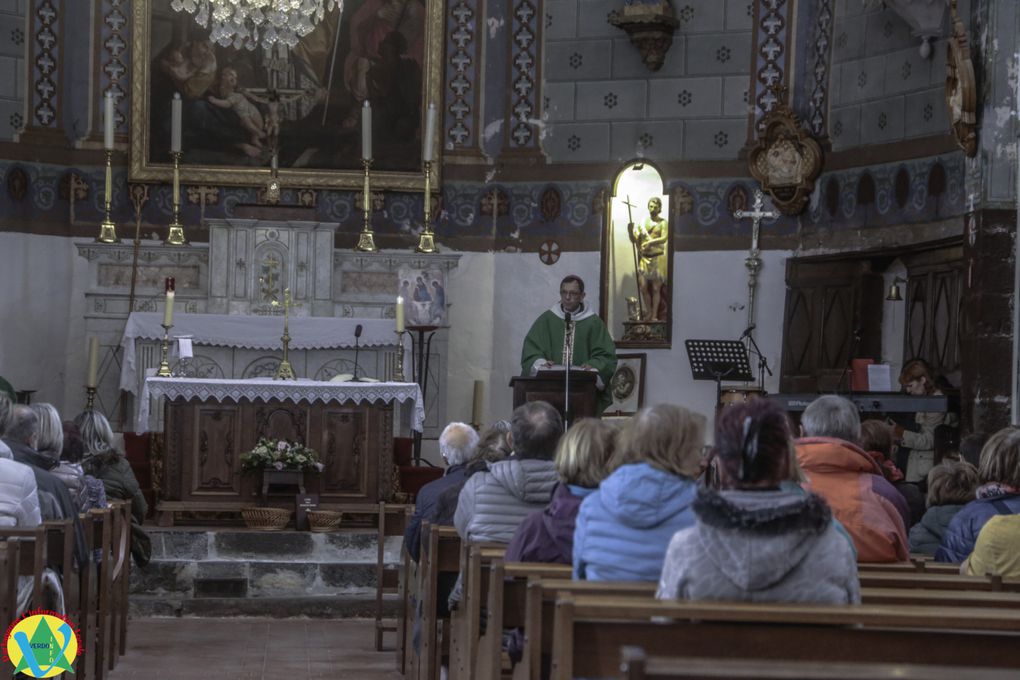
(548, 386)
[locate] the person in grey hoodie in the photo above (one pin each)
(951, 485)
(623, 528)
(493, 503)
(753, 541)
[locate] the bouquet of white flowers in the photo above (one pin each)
(280, 454)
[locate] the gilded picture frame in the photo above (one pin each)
(304, 102)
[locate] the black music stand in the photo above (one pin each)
(718, 360)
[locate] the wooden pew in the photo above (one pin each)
(440, 553)
(96, 585)
(465, 622)
(588, 632)
(392, 520)
(540, 607)
(914, 566)
(941, 598)
(116, 604)
(885, 579)
(31, 558)
(10, 559)
(636, 665)
(505, 609)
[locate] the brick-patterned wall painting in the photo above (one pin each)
(12, 67)
(601, 103)
(881, 89)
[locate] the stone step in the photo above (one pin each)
(259, 578)
(287, 546)
(345, 607)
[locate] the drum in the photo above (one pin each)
(738, 395)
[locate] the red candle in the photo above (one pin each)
(169, 285)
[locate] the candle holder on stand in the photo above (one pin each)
(366, 240)
(175, 237)
(285, 371)
(90, 397)
(107, 229)
(398, 367)
(426, 240)
(164, 361)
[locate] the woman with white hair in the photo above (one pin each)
(104, 462)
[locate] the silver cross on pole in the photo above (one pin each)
(756, 216)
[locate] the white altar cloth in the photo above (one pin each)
(266, 389)
(250, 332)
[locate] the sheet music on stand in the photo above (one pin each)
(718, 360)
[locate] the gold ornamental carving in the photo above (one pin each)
(786, 160)
(961, 90)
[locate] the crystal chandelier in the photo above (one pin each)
(247, 23)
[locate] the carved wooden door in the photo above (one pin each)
(934, 290)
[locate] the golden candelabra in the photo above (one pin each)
(176, 235)
(164, 361)
(90, 398)
(426, 241)
(366, 240)
(285, 371)
(398, 366)
(107, 229)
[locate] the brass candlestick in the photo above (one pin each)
(398, 368)
(90, 397)
(366, 240)
(285, 371)
(176, 235)
(426, 242)
(164, 362)
(107, 229)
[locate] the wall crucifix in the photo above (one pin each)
(753, 261)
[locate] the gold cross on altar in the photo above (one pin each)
(756, 215)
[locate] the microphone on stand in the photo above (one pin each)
(747, 331)
(357, 343)
(567, 360)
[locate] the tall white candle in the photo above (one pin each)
(175, 126)
(93, 369)
(168, 311)
(108, 121)
(400, 314)
(366, 131)
(430, 134)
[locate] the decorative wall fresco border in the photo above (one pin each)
(462, 65)
(46, 57)
(114, 37)
(922, 190)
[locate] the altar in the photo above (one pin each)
(208, 424)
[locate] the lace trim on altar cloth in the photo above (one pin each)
(262, 389)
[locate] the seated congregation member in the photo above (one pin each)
(457, 445)
(624, 527)
(999, 494)
(582, 461)
(877, 441)
(86, 489)
(997, 550)
(19, 508)
(838, 470)
(5, 420)
(917, 379)
(493, 503)
(104, 462)
(951, 485)
(752, 540)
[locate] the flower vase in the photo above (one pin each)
(292, 478)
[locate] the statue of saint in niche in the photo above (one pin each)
(650, 238)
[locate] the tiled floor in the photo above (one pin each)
(253, 649)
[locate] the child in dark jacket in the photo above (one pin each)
(951, 485)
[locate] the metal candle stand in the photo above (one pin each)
(420, 370)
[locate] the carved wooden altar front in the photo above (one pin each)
(205, 439)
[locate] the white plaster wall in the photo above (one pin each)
(42, 305)
(710, 297)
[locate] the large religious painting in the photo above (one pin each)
(424, 294)
(637, 259)
(305, 102)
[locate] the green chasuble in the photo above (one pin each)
(592, 345)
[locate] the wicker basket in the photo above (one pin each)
(266, 519)
(324, 520)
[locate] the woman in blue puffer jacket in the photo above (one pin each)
(999, 494)
(623, 529)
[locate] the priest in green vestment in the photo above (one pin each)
(546, 344)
